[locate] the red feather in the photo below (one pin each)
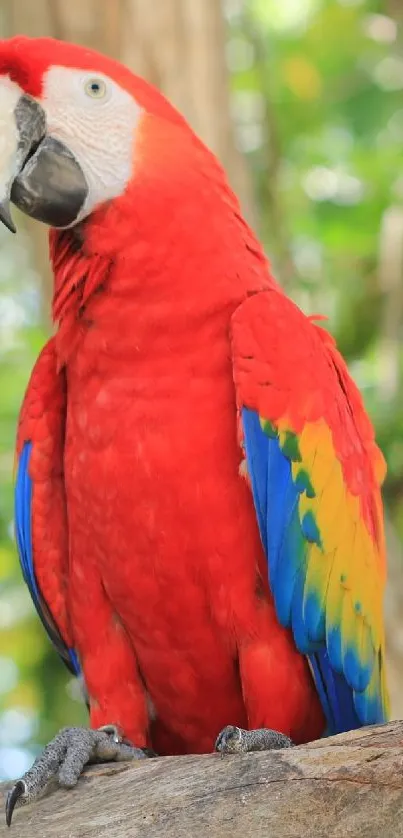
(166, 591)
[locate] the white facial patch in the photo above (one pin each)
(10, 93)
(96, 119)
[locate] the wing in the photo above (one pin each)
(40, 507)
(315, 473)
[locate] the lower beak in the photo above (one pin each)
(41, 175)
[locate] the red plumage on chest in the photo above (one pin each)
(168, 592)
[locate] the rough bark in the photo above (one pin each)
(350, 785)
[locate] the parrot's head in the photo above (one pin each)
(72, 129)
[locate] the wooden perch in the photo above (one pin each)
(350, 785)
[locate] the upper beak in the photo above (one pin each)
(40, 174)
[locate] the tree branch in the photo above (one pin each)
(349, 785)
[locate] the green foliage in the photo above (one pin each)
(317, 88)
(36, 697)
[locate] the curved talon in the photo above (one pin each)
(64, 759)
(114, 731)
(228, 740)
(13, 796)
(235, 740)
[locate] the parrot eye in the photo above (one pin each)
(96, 88)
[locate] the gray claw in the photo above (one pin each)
(64, 758)
(17, 791)
(229, 740)
(235, 740)
(113, 731)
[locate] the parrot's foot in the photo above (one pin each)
(64, 758)
(235, 740)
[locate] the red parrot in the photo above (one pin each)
(198, 508)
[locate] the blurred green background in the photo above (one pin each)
(310, 116)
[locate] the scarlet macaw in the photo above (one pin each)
(198, 508)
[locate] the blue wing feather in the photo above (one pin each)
(258, 469)
(285, 540)
(336, 695)
(23, 528)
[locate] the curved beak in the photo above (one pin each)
(38, 173)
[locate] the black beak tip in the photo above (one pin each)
(5, 216)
